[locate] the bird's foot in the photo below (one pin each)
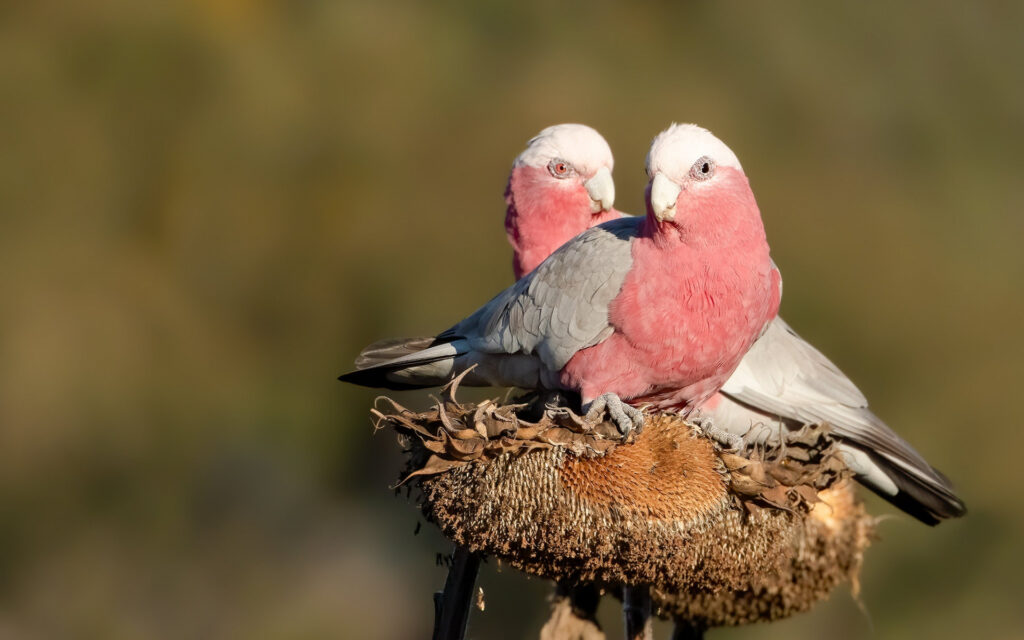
(626, 418)
(730, 441)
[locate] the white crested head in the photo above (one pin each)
(577, 144)
(676, 150)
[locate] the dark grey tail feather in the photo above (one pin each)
(378, 379)
(929, 502)
(374, 368)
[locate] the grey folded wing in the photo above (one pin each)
(562, 306)
(783, 375)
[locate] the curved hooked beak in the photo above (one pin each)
(664, 194)
(601, 189)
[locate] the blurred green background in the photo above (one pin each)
(207, 208)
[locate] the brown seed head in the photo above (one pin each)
(721, 538)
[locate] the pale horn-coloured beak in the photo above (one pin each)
(664, 194)
(601, 189)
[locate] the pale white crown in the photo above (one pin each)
(675, 150)
(577, 144)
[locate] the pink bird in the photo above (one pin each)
(656, 310)
(782, 382)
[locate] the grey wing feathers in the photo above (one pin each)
(784, 375)
(562, 305)
(525, 333)
(405, 363)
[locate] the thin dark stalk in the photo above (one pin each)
(451, 606)
(687, 631)
(636, 610)
(585, 599)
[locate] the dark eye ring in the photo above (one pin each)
(703, 169)
(559, 168)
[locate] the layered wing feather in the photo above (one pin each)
(562, 306)
(783, 375)
(526, 333)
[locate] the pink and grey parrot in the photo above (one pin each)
(656, 310)
(782, 382)
(546, 205)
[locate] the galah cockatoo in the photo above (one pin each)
(782, 382)
(559, 186)
(656, 310)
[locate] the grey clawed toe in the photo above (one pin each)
(730, 441)
(626, 418)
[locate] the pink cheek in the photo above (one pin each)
(562, 189)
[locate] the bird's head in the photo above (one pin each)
(689, 169)
(570, 164)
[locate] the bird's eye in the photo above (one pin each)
(703, 169)
(560, 168)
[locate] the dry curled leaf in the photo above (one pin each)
(456, 434)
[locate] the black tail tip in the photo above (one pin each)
(377, 378)
(357, 377)
(927, 508)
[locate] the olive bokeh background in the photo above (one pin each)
(207, 208)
